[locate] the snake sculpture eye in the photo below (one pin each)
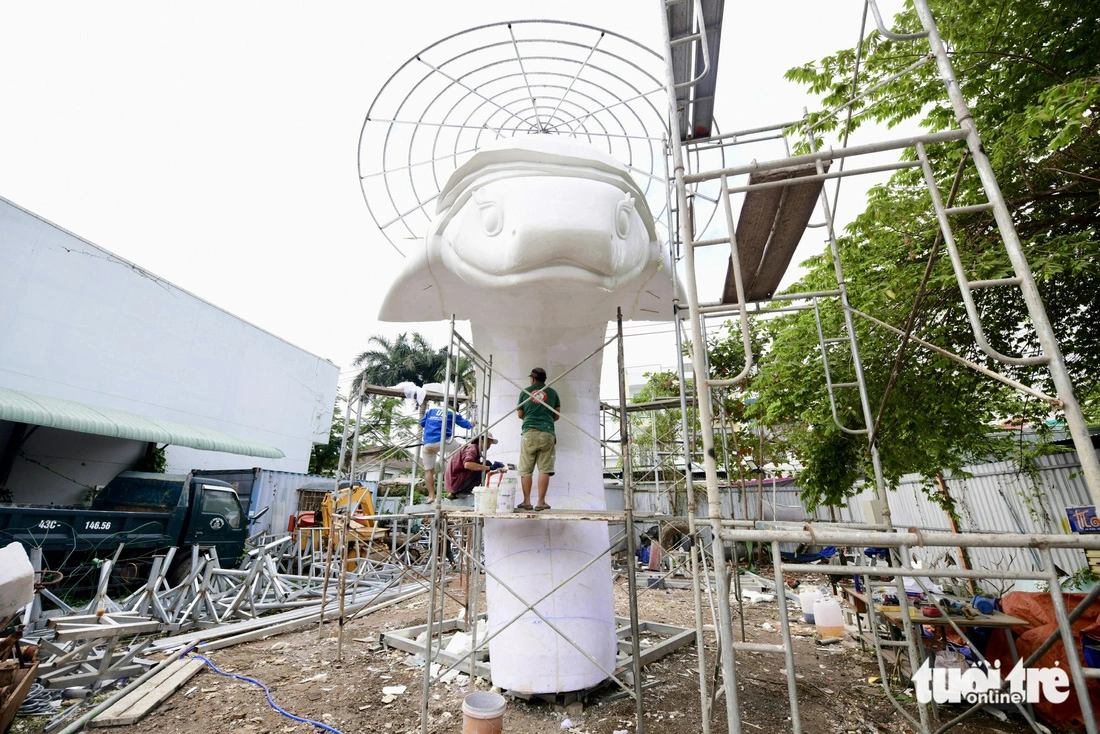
(623, 214)
(492, 215)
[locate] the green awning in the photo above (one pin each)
(69, 415)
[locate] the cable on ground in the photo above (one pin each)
(268, 694)
(40, 702)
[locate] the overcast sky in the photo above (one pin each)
(214, 143)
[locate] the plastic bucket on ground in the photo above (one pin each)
(807, 598)
(828, 618)
(483, 713)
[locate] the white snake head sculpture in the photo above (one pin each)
(536, 231)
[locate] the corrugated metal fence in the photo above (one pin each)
(991, 498)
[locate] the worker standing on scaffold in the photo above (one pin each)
(539, 407)
(432, 423)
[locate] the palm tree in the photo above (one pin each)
(407, 359)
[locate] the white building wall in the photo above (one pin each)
(80, 323)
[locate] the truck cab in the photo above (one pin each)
(216, 519)
(202, 511)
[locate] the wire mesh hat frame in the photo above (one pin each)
(506, 80)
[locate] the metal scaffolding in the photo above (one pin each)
(775, 208)
(434, 112)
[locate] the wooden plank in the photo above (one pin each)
(147, 697)
(124, 703)
(769, 228)
(22, 680)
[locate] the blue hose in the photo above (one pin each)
(268, 694)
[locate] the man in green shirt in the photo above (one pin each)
(539, 407)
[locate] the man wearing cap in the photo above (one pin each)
(467, 466)
(539, 407)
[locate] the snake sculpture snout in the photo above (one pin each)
(535, 225)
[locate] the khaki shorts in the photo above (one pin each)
(429, 452)
(537, 448)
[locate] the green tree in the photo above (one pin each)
(386, 434)
(1031, 72)
(655, 435)
(324, 457)
(408, 359)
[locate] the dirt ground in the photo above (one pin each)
(838, 689)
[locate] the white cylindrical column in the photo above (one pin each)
(534, 556)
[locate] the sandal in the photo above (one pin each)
(525, 507)
(540, 508)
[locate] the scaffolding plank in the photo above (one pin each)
(769, 229)
(134, 706)
(552, 514)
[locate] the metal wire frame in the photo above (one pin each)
(507, 80)
(497, 80)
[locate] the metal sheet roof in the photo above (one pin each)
(69, 415)
(688, 62)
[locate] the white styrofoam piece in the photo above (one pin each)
(16, 579)
(537, 241)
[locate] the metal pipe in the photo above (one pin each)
(830, 154)
(1080, 684)
(1054, 402)
(888, 33)
(696, 547)
(335, 490)
(628, 506)
(915, 537)
(759, 647)
(788, 645)
(438, 526)
(829, 384)
(899, 166)
(739, 289)
(947, 573)
(729, 672)
(717, 308)
(740, 133)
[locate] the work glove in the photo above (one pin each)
(496, 465)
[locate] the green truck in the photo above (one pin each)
(143, 512)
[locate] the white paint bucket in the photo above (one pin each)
(485, 499)
(506, 495)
